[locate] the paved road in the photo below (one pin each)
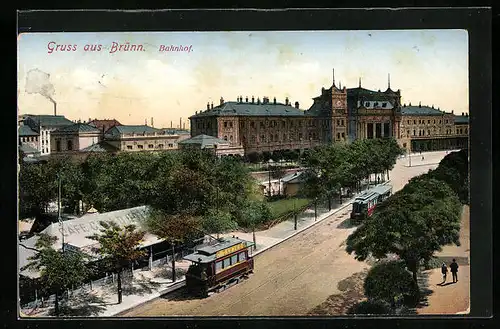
(289, 279)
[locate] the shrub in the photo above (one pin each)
(370, 306)
(390, 282)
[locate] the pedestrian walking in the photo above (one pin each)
(444, 270)
(454, 270)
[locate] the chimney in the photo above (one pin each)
(322, 90)
(246, 99)
(253, 99)
(419, 104)
(208, 106)
(466, 114)
(171, 124)
(221, 101)
(258, 100)
(286, 101)
(152, 124)
(55, 108)
(184, 126)
(274, 100)
(451, 111)
(145, 122)
(212, 105)
(296, 105)
(462, 113)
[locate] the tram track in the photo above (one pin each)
(180, 292)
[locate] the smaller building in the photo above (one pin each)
(28, 151)
(133, 138)
(72, 138)
(44, 125)
(292, 183)
(28, 136)
(219, 146)
(103, 125)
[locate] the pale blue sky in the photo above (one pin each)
(430, 66)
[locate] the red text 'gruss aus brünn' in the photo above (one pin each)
(115, 47)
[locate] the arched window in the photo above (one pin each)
(70, 145)
(58, 145)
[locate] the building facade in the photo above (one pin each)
(131, 138)
(338, 114)
(204, 142)
(103, 125)
(425, 128)
(74, 138)
(44, 125)
(28, 136)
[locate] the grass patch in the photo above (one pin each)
(284, 206)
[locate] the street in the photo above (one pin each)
(291, 278)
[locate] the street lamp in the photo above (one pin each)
(269, 172)
(59, 218)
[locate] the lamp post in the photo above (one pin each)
(269, 172)
(409, 155)
(59, 218)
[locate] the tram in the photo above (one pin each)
(365, 203)
(218, 266)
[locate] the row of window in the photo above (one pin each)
(375, 104)
(150, 146)
(422, 121)
(421, 132)
(230, 261)
(340, 122)
(29, 139)
(69, 145)
(338, 135)
(276, 137)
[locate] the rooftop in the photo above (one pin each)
(209, 253)
(251, 109)
(50, 120)
(25, 148)
(26, 131)
(204, 141)
(131, 129)
(461, 119)
(420, 110)
(100, 147)
(77, 128)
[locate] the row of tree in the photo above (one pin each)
(413, 224)
(336, 166)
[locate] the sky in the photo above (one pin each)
(428, 66)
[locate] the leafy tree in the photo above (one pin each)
(370, 306)
(36, 188)
(253, 214)
(119, 246)
(176, 228)
(59, 271)
(218, 222)
(390, 281)
(413, 223)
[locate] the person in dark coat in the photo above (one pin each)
(444, 270)
(454, 270)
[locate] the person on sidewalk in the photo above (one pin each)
(454, 270)
(444, 270)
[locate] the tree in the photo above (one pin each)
(173, 228)
(390, 281)
(119, 246)
(218, 222)
(413, 223)
(36, 189)
(253, 214)
(59, 271)
(370, 306)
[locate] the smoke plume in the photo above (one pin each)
(37, 82)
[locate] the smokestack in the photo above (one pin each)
(171, 124)
(180, 123)
(152, 124)
(55, 108)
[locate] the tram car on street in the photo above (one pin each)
(365, 203)
(219, 265)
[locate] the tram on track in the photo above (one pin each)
(219, 265)
(365, 203)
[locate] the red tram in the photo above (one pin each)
(365, 203)
(219, 265)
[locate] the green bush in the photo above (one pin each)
(390, 282)
(371, 306)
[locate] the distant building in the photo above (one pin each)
(44, 125)
(425, 128)
(103, 125)
(130, 138)
(205, 142)
(292, 183)
(72, 138)
(28, 136)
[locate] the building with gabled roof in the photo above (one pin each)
(44, 125)
(132, 138)
(75, 137)
(103, 125)
(219, 146)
